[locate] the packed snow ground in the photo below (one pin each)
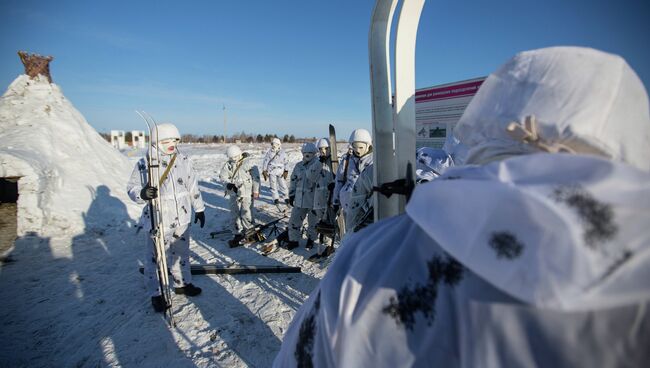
(79, 301)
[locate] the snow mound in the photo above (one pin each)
(63, 164)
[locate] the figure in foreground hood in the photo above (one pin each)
(535, 254)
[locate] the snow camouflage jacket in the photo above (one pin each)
(360, 199)
(345, 183)
(178, 194)
(275, 162)
(243, 174)
(534, 261)
(302, 185)
(321, 175)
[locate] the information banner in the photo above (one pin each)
(438, 109)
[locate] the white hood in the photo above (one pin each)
(586, 99)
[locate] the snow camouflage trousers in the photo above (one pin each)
(296, 220)
(178, 260)
(241, 214)
(278, 186)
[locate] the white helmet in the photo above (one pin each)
(233, 152)
(165, 131)
(309, 147)
(360, 135)
(275, 141)
(323, 142)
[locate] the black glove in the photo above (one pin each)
(200, 217)
(331, 186)
(231, 186)
(291, 198)
(265, 174)
(245, 154)
(285, 174)
(148, 193)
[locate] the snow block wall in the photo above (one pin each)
(64, 166)
(137, 139)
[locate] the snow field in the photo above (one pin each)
(79, 300)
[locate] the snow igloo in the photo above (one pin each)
(58, 163)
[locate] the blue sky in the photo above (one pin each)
(282, 66)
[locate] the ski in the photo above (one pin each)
(157, 226)
(334, 166)
(215, 269)
(393, 112)
(385, 168)
(404, 125)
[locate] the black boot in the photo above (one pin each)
(158, 303)
(310, 244)
(328, 251)
(189, 290)
(292, 244)
(235, 241)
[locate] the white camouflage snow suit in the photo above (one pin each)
(350, 167)
(359, 212)
(275, 164)
(246, 177)
(301, 189)
(178, 194)
(321, 175)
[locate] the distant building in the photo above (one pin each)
(138, 139)
(117, 139)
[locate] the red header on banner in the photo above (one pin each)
(442, 93)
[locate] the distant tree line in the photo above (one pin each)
(241, 137)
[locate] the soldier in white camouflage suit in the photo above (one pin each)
(179, 194)
(275, 169)
(350, 168)
(242, 180)
(321, 174)
(301, 197)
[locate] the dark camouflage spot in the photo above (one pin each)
(180, 181)
(506, 245)
(422, 297)
(305, 346)
(597, 218)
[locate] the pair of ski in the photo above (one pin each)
(156, 216)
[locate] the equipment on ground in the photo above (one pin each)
(237, 269)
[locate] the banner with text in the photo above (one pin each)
(438, 109)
